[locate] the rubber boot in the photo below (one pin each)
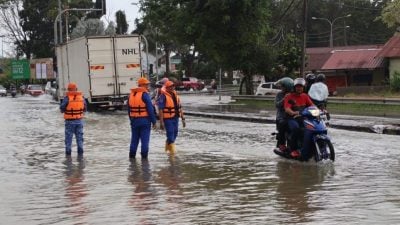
(166, 146)
(172, 148)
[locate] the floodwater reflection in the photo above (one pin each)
(171, 177)
(298, 183)
(76, 189)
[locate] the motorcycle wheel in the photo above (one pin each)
(326, 149)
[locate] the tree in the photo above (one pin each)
(122, 25)
(391, 13)
(90, 27)
(111, 29)
(234, 35)
(38, 25)
(159, 19)
(9, 22)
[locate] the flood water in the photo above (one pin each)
(223, 173)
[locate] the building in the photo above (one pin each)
(391, 53)
(348, 65)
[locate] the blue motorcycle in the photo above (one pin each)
(321, 148)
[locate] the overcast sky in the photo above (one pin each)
(131, 11)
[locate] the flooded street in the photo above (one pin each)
(223, 173)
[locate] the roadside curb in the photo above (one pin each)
(380, 129)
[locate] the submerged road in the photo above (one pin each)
(224, 173)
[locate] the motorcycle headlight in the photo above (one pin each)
(314, 112)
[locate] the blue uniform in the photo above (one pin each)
(72, 127)
(171, 124)
(141, 127)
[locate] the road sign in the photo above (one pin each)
(20, 69)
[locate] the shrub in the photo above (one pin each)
(395, 81)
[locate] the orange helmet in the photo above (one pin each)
(143, 81)
(169, 83)
(72, 86)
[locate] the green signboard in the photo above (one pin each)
(20, 69)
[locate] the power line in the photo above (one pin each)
(363, 8)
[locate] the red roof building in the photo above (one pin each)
(353, 59)
(348, 65)
(391, 49)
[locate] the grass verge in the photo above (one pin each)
(359, 109)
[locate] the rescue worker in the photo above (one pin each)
(286, 86)
(170, 110)
(141, 114)
(73, 106)
(156, 94)
(294, 103)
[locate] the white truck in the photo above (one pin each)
(105, 68)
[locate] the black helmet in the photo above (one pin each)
(320, 77)
(310, 78)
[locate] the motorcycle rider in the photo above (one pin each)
(286, 85)
(293, 104)
(319, 91)
(310, 79)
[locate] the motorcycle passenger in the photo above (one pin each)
(319, 91)
(294, 103)
(310, 79)
(286, 86)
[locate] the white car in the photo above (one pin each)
(51, 89)
(3, 91)
(267, 89)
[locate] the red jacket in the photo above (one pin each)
(297, 102)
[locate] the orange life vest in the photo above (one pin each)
(136, 103)
(169, 110)
(75, 106)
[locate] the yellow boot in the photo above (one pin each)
(172, 148)
(166, 146)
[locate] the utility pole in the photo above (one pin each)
(60, 22)
(303, 49)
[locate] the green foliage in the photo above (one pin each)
(6, 66)
(38, 25)
(363, 28)
(395, 81)
(391, 13)
(122, 25)
(288, 57)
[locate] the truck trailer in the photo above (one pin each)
(105, 68)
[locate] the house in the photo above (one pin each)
(391, 53)
(348, 65)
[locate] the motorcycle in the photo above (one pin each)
(13, 92)
(325, 116)
(321, 147)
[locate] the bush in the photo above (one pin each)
(395, 81)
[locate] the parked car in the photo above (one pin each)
(3, 91)
(268, 88)
(188, 83)
(34, 90)
(51, 89)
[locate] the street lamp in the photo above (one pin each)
(331, 22)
